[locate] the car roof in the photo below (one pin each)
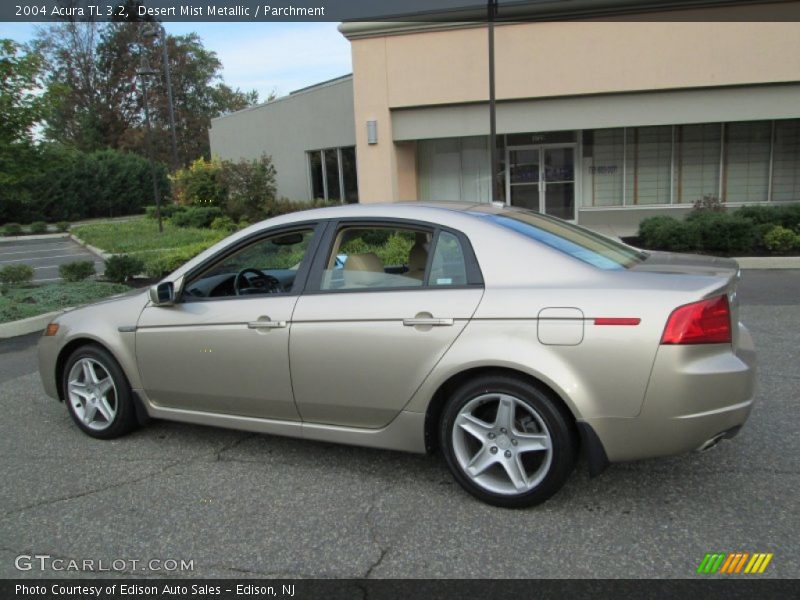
(433, 211)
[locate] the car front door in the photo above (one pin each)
(384, 302)
(224, 346)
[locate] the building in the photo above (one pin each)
(310, 135)
(602, 121)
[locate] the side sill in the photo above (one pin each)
(593, 447)
(404, 433)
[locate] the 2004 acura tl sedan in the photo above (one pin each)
(508, 339)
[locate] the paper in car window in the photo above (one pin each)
(444, 281)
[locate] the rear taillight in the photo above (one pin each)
(704, 322)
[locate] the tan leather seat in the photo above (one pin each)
(368, 261)
(417, 261)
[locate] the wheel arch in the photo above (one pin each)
(445, 390)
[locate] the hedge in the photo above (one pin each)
(747, 230)
(69, 185)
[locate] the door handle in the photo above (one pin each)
(266, 324)
(427, 321)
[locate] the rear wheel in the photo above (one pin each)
(97, 393)
(507, 442)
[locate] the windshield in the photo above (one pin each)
(577, 242)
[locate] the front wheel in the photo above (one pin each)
(97, 393)
(507, 442)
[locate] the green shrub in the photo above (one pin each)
(12, 229)
(723, 233)
(224, 223)
(63, 226)
(667, 233)
(158, 264)
(780, 239)
(121, 267)
(38, 227)
(196, 216)
(250, 187)
(16, 274)
(76, 271)
(760, 215)
(200, 184)
(168, 210)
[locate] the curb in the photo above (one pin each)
(768, 262)
(94, 250)
(29, 325)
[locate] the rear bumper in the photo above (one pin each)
(695, 394)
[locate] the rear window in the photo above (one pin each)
(577, 242)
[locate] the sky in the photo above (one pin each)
(262, 56)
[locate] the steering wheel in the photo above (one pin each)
(261, 282)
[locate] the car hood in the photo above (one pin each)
(116, 298)
(688, 264)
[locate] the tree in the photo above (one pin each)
(20, 111)
(20, 107)
(94, 95)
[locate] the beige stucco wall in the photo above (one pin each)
(546, 60)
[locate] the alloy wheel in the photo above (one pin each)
(502, 444)
(92, 394)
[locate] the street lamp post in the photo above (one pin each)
(491, 13)
(144, 72)
(158, 30)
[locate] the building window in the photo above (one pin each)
(603, 167)
(648, 157)
(745, 163)
(786, 161)
(348, 161)
(697, 160)
(332, 174)
(454, 169)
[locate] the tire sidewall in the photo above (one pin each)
(124, 419)
(559, 425)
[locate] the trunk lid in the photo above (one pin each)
(696, 264)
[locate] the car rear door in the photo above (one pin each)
(384, 302)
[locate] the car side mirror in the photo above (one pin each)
(163, 294)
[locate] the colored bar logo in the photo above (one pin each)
(734, 563)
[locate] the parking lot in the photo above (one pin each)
(45, 256)
(245, 505)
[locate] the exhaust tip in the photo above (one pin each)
(725, 435)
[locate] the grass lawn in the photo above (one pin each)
(138, 235)
(23, 302)
(160, 252)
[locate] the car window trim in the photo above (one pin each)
(313, 282)
(317, 228)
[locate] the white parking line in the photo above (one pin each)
(42, 257)
(36, 251)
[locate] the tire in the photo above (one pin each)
(97, 393)
(507, 442)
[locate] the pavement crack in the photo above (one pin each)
(230, 446)
(84, 493)
(373, 534)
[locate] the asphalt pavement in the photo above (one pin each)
(46, 255)
(245, 505)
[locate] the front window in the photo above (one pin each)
(268, 266)
(575, 241)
